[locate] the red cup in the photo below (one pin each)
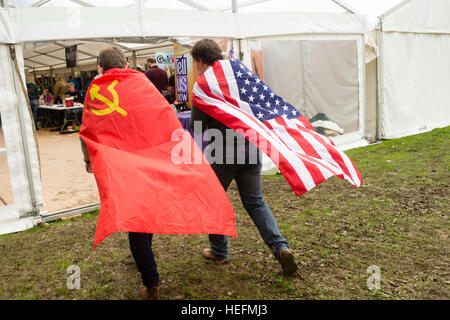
(68, 102)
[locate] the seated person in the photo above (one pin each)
(75, 93)
(75, 82)
(77, 98)
(46, 97)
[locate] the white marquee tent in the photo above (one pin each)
(414, 68)
(305, 28)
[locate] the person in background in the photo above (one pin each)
(75, 82)
(33, 96)
(46, 97)
(171, 85)
(77, 98)
(169, 70)
(75, 93)
(157, 75)
(59, 89)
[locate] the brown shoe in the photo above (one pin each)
(207, 254)
(150, 293)
(287, 262)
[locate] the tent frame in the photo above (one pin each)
(137, 32)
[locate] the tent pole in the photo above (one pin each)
(234, 9)
(344, 6)
(380, 81)
(234, 6)
(18, 77)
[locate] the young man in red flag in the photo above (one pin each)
(145, 187)
(246, 173)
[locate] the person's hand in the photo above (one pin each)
(88, 167)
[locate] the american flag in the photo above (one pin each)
(231, 93)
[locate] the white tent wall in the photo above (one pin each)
(414, 69)
(5, 30)
(21, 148)
(416, 83)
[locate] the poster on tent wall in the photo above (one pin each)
(185, 74)
(164, 58)
(71, 56)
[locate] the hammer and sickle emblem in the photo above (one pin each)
(112, 105)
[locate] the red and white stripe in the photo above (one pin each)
(305, 157)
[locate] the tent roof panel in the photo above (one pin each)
(255, 25)
(84, 23)
(45, 60)
(323, 6)
(32, 64)
(421, 16)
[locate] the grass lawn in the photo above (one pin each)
(398, 220)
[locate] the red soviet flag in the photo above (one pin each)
(144, 185)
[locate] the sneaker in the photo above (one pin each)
(150, 293)
(207, 254)
(287, 262)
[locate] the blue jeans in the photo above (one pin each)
(141, 248)
(248, 180)
(34, 103)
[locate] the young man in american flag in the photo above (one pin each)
(238, 160)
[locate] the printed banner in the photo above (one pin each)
(164, 58)
(185, 74)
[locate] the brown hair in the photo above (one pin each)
(206, 50)
(151, 60)
(111, 58)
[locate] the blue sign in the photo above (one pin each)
(181, 66)
(181, 71)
